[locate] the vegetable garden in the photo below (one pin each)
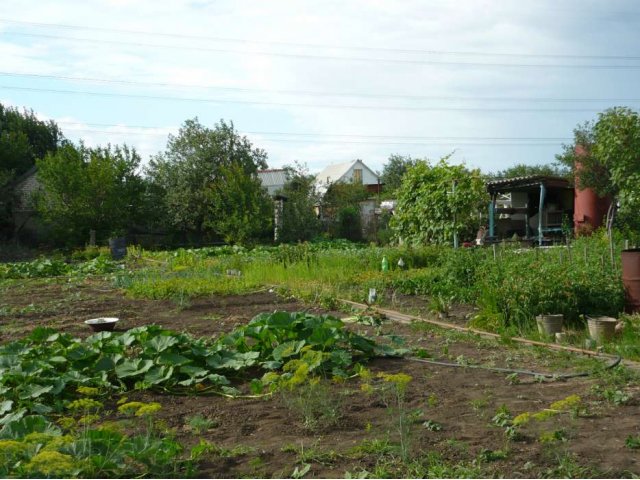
(232, 362)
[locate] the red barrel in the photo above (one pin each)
(589, 210)
(631, 279)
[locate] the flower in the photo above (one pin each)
(51, 463)
(85, 404)
(130, 407)
(148, 409)
(88, 391)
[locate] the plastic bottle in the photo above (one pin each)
(385, 264)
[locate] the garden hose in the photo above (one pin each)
(616, 361)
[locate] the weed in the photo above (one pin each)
(199, 424)
(432, 426)
(314, 404)
(632, 442)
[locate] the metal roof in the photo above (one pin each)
(273, 177)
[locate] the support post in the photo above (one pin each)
(492, 213)
(543, 191)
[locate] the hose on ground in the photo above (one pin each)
(565, 376)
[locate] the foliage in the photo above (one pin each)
(437, 201)
(524, 170)
(23, 139)
(394, 171)
(51, 267)
(348, 224)
(39, 373)
(610, 163)
(190, 173)
(299, 219)
(240, 209)
(89, 188)
(92, 448)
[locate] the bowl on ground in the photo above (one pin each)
(102, 324)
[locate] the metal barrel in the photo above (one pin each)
(631, 279)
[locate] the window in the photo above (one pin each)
(357, 175)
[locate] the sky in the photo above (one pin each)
(328, 81)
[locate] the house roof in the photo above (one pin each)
(273, 177)
(526, 183)
(334, 173)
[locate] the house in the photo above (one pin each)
(533, 207)
(23, 214)
(350, 172)
(273, 179)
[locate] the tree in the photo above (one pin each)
(523, 170)
(240, 208)
(394, 171)
(23, 140)
(89, 188)
(610, 159)
(299, 219)
(341, 209)
(192, 171)
(436, 201)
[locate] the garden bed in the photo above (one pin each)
(458, 418)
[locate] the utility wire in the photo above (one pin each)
(334, 57)
(293, 104)
(312, 93)
(341, 135)
(315, 45)
(342, 142)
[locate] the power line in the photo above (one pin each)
(347, 142)
(338, 58)
(312, 93)
(315, 45)
(340, 135)
(293, 104)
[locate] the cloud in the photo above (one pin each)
(191, 50)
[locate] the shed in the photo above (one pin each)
(532, 207)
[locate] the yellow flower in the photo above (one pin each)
(567, 404)
(544, 415)
(522, 418)
(366, 388)
(130, 407)
(111, 426)
(401, 380)
(58, 442)
(148, 409)
(36, 437)
(88, 391)
(11, 449)
(122, 400)
(51, 463)
(88, 419)
(67, 422)
(85, 404)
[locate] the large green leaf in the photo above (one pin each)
(158, 375)
(133, 368)
(34, 391)
(161, 343)
(287, 349)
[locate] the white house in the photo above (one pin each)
(350, 172)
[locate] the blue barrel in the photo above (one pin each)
(118, 247)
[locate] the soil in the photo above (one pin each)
(271, 433)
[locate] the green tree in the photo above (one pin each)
(436, 201)
(299, 219)
(523, 170)
(89, 188)
(190, 173)
(394, 170)
(339, 203)
(610, 163)
(23, 140)
(239, 207)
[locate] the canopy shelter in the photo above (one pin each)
(532, 207)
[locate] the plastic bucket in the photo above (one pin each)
(601, 329)
(549, 325)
